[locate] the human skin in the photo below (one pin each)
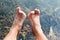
(17, 24)
(18, 21)
(34, 17)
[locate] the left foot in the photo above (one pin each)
(19, 19)
(17, 24)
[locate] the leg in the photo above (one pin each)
(18, 21)
(36, 27)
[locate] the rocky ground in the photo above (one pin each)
(50, 16)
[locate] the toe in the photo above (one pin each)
(18, 9)
(30, 14)
(20, 12)
(37, 11)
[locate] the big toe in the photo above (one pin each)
(30, 14)
(20, 12)
(36, 11)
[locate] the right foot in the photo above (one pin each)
(35, 22)
(36, 27)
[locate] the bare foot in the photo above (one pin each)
(19, 19)
(35, 22)
(17, 24)
(34, 19)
